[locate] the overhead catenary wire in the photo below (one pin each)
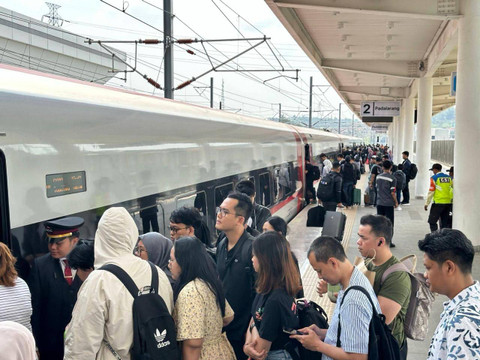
(242, 74)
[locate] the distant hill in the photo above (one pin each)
(445, 119)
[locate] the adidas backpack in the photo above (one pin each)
(154, 335)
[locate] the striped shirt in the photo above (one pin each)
(386, 184)
(15, 303)
(356, 314)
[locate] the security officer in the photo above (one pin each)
(54, 287)
(441, 192)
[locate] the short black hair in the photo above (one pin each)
(406, 153)
(340, 155)
(244, 206)
(323, 155)
(191, 216)
(387, 164)
(326, 247)
(381, 226)
(246, 187)
(335, 165)
(278, 224)
(449, 244)
(400, 166)
(82, 256)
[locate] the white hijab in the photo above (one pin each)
(17, 342)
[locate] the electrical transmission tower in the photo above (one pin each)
(53, 18)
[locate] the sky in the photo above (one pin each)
(256, 93)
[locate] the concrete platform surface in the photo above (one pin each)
(410, 226)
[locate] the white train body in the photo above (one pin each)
(126, 146)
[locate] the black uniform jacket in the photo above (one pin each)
(52, 301)
(260, 214)
(238, 277)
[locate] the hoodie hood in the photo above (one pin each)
(116, 236)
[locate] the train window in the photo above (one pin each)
(265, 189)
(196, 200)
(285, 187)
(221, 193)
(4, 216)
(151, 215)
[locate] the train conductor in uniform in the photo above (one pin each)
(54, 286)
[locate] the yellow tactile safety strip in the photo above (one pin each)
(309, 277)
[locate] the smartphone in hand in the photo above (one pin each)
(292, 331)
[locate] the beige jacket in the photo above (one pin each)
(103, 310)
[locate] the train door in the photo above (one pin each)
(4, 213)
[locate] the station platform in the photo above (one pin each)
(410, 226)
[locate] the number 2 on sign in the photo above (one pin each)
(366, 109)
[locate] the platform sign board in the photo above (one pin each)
(380, 128)
(377, 119)
(380, 108)
(453, 84)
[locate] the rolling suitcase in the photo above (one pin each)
(357, 196)
(334, 224)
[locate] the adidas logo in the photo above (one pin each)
(159, 337)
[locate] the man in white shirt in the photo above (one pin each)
(327, 164)
(448, 258)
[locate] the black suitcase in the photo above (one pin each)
(334, 225)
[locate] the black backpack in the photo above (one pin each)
(154, 335)
(316, 216)
(309, 313)
(413, 171)
(381, 343)
(326, 188)
(315, 172)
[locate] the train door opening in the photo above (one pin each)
(4, 209)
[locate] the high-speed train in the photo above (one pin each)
(73, 148)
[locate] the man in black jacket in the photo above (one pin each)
(234, 265)
(335, 199)
(406, 169)
(260, 213)
(349, 176)
(54, 286)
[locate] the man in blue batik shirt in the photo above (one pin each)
(448, 262)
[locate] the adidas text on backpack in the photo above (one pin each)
(154, 335)
(326, 186)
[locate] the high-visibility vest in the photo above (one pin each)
(442, 185)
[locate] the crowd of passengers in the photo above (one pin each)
(230, 301)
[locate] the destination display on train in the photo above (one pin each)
(66, 183)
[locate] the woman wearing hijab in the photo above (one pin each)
(17, 342)
(155, 248)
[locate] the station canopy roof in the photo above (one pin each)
(377, 50)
